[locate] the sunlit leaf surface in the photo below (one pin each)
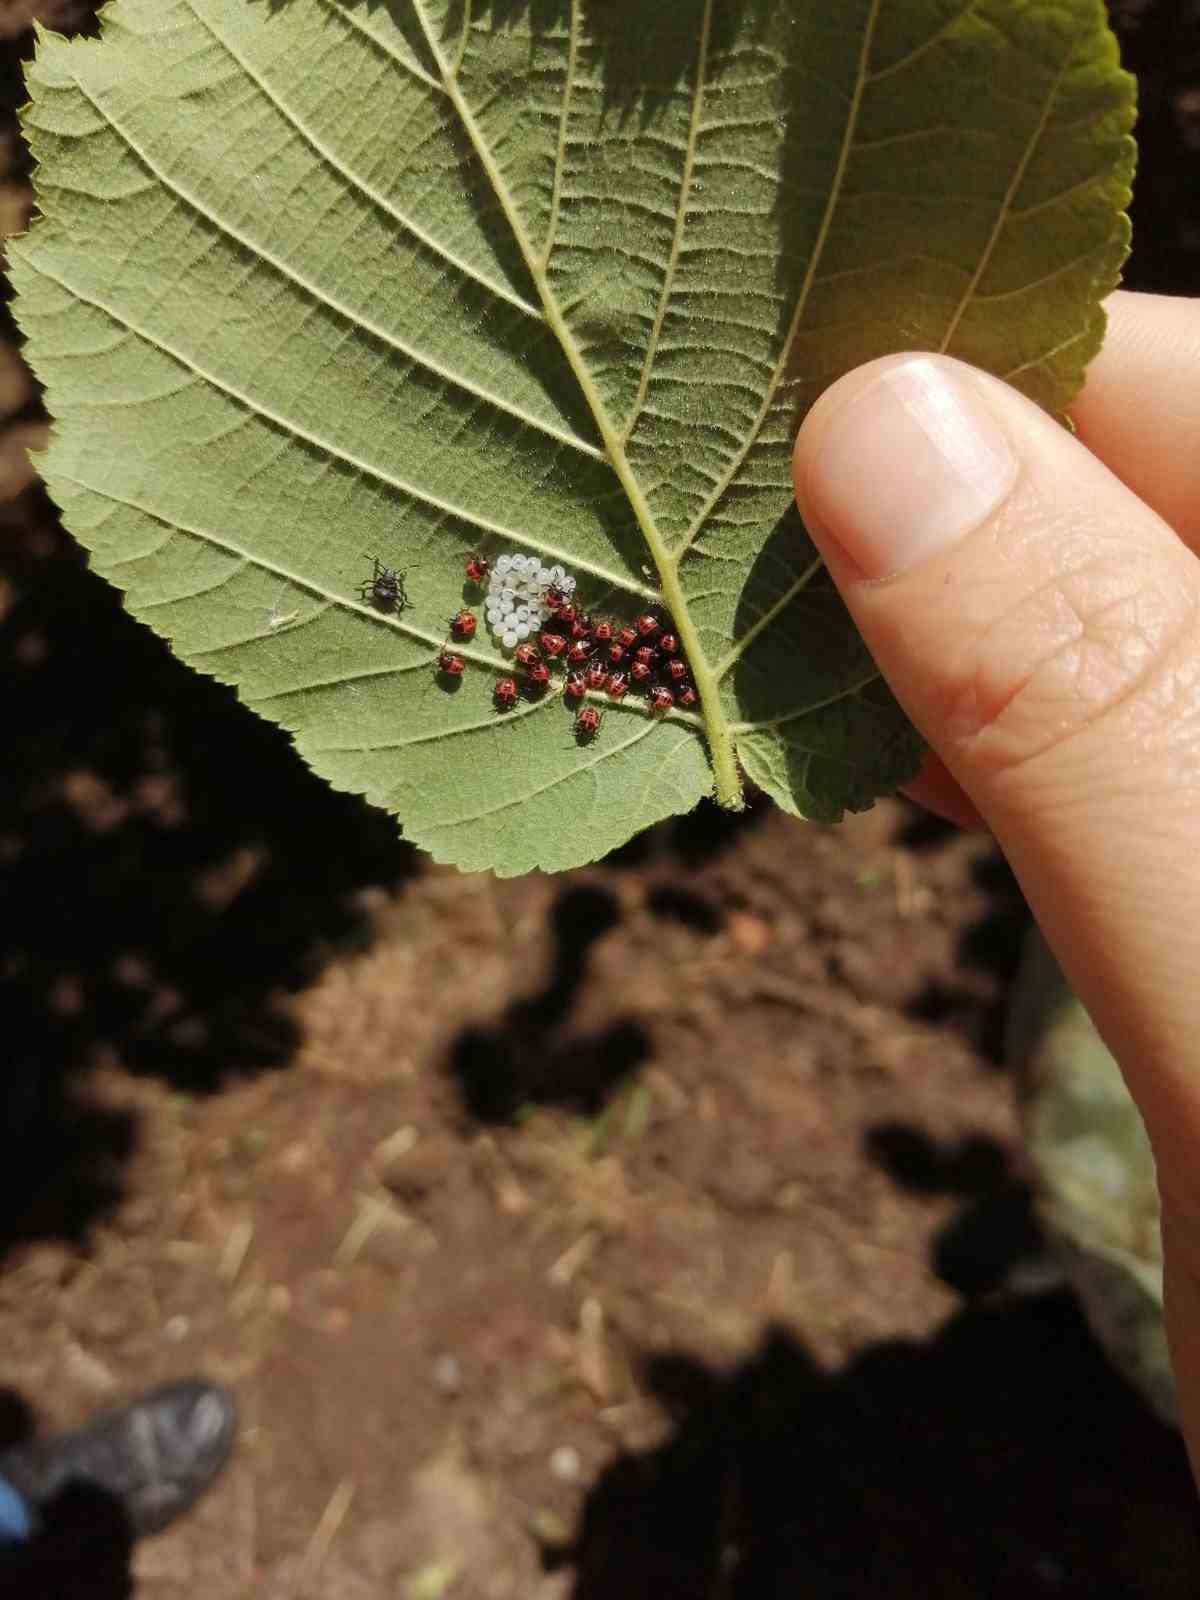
(316, 282)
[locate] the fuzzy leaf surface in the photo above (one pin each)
(321, 280)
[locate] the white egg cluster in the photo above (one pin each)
(515, 601)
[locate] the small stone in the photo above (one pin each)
(565, 1464)
(447, 1375)
(749, 934)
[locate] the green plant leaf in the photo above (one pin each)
(319, 278)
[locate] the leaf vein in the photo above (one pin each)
(934, 39)
(600, 753)
(389, 480)
(560, 154)
(1010, 193)
(353, 318)
(847, 693)
(835, 191)
(426, 240)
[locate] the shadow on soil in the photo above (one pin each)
(994, 1459)
(169, 871)
(704, 835)
(83, 1549)
(84, 1546)
(978, 1250)
(990, 948)
(530, 1057)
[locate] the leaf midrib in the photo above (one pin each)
(716, 724)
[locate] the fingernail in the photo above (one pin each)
(907, 466)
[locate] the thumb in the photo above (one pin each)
(1038, 622)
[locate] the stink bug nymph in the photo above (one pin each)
(385, 588)
(505, 693)
(575, 688)
(661, 698)
(451, 664)
(587, 721)
(462, 623)
(478, 568)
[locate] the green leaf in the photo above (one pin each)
(315, 279)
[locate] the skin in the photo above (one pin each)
(1050, 654)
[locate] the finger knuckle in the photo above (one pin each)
(1099, 641)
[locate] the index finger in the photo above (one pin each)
(1139, 409)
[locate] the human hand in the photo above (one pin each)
(1034, 601)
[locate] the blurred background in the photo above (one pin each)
(658, 1230)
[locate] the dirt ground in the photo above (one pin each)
(658, 1230)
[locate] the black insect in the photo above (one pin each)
(385, 588)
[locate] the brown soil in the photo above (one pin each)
(658, 1230)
